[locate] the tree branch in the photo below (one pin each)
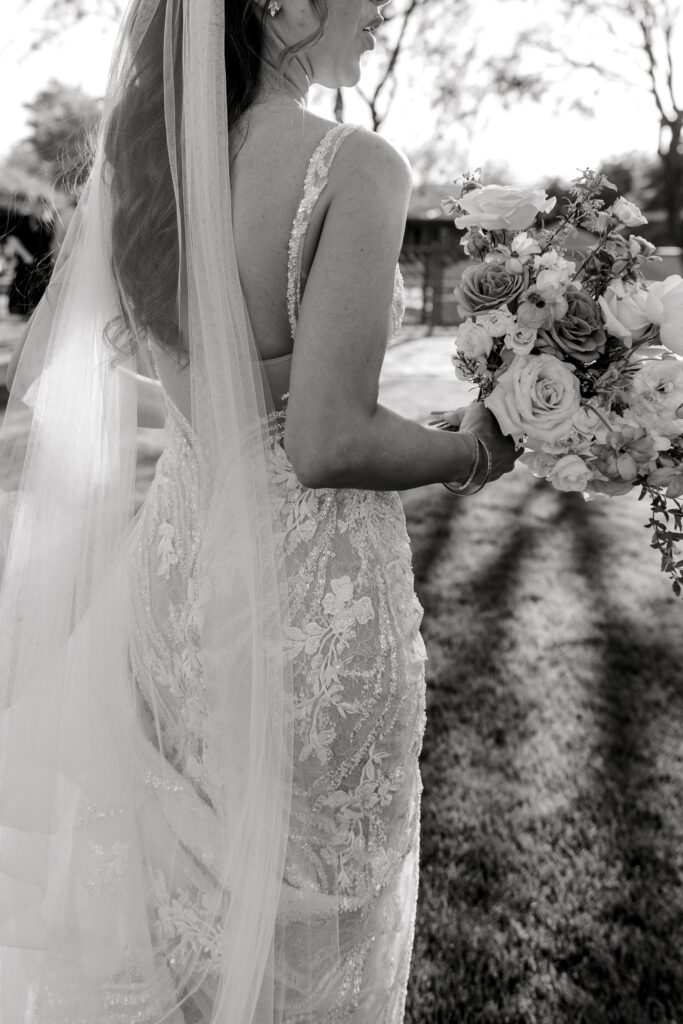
(648, 47)
(391, 64)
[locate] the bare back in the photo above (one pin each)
(267, 177)
(271, 154)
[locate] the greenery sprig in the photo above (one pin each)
(666, 513)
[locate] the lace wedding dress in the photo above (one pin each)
(359, 705)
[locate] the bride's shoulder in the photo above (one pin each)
(367, 157)
(363, 155)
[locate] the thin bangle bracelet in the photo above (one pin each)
(489, 464)
(463, 489)
(459, 488)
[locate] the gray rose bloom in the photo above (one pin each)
(580, 334)
(487, 286)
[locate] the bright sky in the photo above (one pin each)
(534, 140)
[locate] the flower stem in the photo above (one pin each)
(587, 405)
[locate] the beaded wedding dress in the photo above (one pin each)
(359, 709)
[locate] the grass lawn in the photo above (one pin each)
(552, 830)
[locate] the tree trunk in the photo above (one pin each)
(672, 161)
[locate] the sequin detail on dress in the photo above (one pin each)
(314, 184)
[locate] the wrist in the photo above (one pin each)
(483, 470)
(468, 463)
(472, 453)
(480, 468)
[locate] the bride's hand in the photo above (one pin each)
(476, 419)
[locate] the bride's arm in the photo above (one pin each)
(151, 412)
(337, 434)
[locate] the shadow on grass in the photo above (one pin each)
(476, 722)
(472, 665)
(571, 911)
(625, 964)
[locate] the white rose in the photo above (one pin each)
(538, 397)
(473, 341)
(503, 207)
(628, 213)
(521, 340)
(570, 473)
(628, 311)
(666, 310)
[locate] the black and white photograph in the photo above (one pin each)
(341, 512)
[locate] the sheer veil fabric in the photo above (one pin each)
(91, 806)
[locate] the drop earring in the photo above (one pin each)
(273, 7)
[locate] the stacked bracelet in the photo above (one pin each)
(464, 489)
(459, 488)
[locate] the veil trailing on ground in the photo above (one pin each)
(91, 806)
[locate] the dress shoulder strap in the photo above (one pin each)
(314, 183)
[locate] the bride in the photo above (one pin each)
(213, 699)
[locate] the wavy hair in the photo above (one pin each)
(144, 230)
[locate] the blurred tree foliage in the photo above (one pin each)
(639, 45)
(62, 118)
(55, 16)
(445, 47)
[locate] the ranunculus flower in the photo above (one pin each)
(502, 207)
(656, 395)
(628, 213)
(666, 310)
(521, 340)
(627, 310)
(570, 473)
(487, 286)
(580, 333)
(537, 396)
(473, 341)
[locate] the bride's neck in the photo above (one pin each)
(291, 85)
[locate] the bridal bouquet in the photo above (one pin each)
(578, 358)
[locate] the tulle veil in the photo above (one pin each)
(91, 805)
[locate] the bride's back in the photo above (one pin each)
(271, 152)
(267, 177)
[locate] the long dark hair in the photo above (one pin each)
(144, 230)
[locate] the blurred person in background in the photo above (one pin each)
(31, 244)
